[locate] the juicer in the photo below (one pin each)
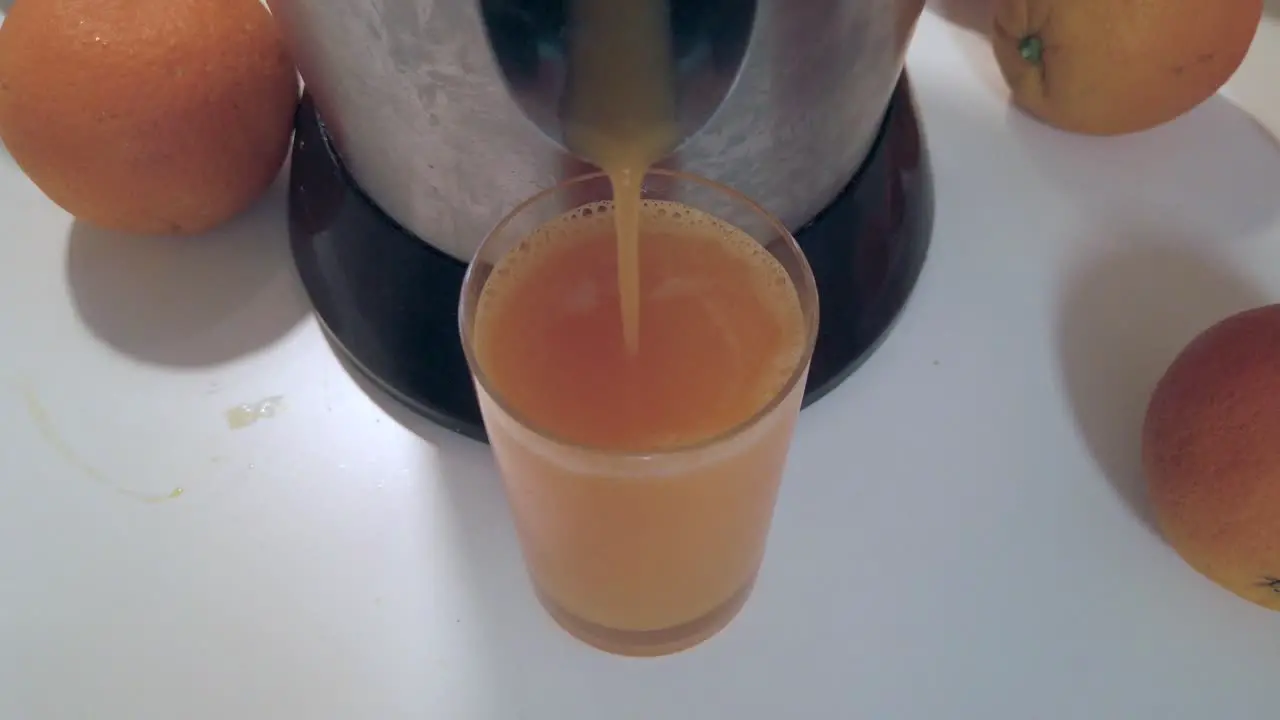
(424, 121)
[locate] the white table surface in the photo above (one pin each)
(961, 532)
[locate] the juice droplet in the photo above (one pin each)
(177, 493)
(242, 416)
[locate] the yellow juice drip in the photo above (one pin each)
(626, 213)
(622, 117)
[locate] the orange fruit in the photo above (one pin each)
(1211, 454)
(1108, 67)
(147, 116)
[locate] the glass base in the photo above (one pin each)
(649, 643)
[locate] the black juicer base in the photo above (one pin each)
(390, 301)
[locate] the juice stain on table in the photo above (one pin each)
(244, 415)
(44, 424)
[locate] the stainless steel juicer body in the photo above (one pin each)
(424, 119)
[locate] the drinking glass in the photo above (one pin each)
(642, 553)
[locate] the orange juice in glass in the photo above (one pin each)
(642, 479)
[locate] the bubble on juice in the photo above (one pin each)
(581, 298)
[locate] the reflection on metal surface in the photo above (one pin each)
(421, 112)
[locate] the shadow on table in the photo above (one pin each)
(974, 15)
(1211, 174)
(1272, 8)
(468, 471)
(1124, 318)
(5, 5)
(1214, 170)
(189, 302)
(976, 19)
(514, 624)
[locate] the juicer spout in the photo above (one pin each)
(537, 45)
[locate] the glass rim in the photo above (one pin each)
(808, 288)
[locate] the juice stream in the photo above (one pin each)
(622, 116)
